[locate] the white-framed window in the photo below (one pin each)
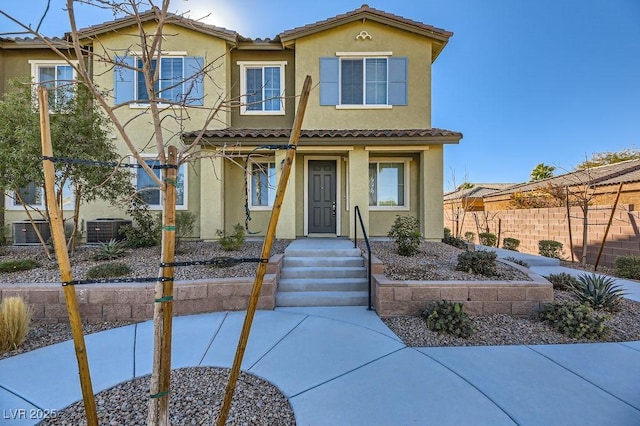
(57, 76)
(389, 184)
(149, 191)
(262, 184)
(262, 87)
(33, 196)
(363, 81)
(170, 77)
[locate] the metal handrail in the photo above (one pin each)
(358, 216)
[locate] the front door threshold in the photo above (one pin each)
(321, 235)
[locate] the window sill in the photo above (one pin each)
(364, 106)
(262, 113)
(160, 105)
(389, 208)
(260, 208)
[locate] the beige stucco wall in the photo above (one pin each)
(417, 114)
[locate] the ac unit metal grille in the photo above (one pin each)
(105, 230)
(25, 234)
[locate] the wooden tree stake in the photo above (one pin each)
(606, 232)
(266, 249)
(163, 307)
(60, 245)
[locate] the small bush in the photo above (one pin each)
(478, 262)
(406, 234)
(488, 239)
(455, 242)
(550, 248)
(185, 226)
(15, 319)
(18, 265)
(444, 316)
(628, 267)
(574, 319)
(112, 250)
(447, 232)
(108, 270)
(510, 244)
(233, 241)
(469, 237)
(562, 281)
(145, 232)
(598, 291)
(517, 261)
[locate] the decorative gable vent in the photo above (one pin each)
(103, 230)
(25, 234)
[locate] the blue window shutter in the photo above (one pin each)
(123, 79)
(329, 81)
(194, 80)
(397, 81)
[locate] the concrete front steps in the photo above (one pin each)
(322, 272)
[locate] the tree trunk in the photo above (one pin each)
(585, 232)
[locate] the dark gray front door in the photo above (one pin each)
(322, 197)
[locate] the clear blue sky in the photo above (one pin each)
(549, 81)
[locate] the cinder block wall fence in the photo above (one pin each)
(533, 225)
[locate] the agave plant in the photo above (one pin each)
(111, 250)
(599, 291)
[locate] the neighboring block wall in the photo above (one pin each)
(533, 225)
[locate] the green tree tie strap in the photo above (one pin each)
(160, 394)
(169, 228)
(170, 181)
(164, 299)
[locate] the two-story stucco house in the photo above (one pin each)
(367, 138)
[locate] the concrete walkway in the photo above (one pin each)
(343, 366)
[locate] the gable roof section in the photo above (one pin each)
(151, 15)
(610, 174)
(478, 190)
(329, 137)
(440, 36)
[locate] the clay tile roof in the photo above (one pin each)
(365, 11)
(30, 42)
(610, 174)
(150, 15)
(478, 190)
(230, 133)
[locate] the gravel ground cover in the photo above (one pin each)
(126, 403)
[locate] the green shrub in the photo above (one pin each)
(108, 270)
(550, 248)
(112, 250)
(456, 242)
(562, 281)
(233, 241)
(516, 261)
(574, 319)
(18, 265)
(406, 234)
(447, 232)
(488, 239)
(469, 237)
(444, 316)
(478, 262)
(15, 319)
(510, 244)
(598, 291)
(145, 232)
(628, 267)
(185, 226)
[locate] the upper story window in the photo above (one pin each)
(389, 184)
(180, 80)
(57, 76)
(363, 80)
(168, 87)
(149, 191)
(262, 87)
